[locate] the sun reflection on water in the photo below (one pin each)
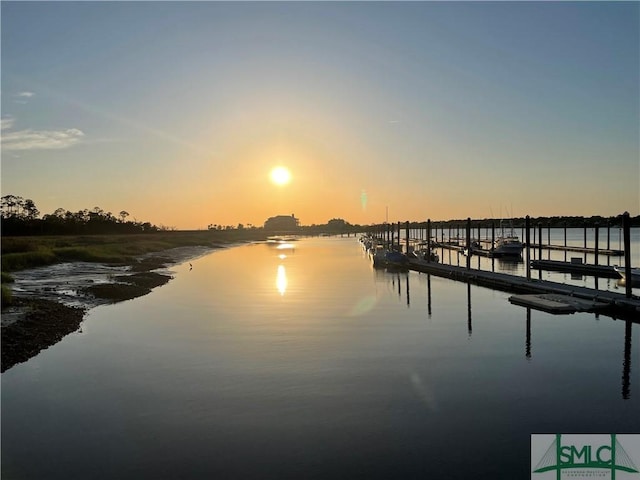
(281, 280)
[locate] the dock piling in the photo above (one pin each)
(428, 240)
(626, 232)
(527, 228)
(595, 245)
(468, 243)
(406, 237)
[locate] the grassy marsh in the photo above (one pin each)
(19, 253)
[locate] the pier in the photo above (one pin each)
(603, 271)
(612, 304)
(545, 295)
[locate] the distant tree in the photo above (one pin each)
(9, 205)
(123, 216)
(337, 225)
(29, 210)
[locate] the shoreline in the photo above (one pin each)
(41, 318)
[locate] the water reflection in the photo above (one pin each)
(281, 280)
(395, 279)
(206, 363)
(469, 326)
(429, 295)
(527, 348)
(626, 364)
(283, 248)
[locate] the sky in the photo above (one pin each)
(177, 112)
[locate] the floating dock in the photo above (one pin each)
(603, 271)
(486, 251)
(612, 304)
(557, 304)
(591, 250)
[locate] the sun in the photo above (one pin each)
(280, 175)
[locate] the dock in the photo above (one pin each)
(486, 251)
(616, 305)
(464, 240)
(557, 304)
(591, 250)
(604, 271)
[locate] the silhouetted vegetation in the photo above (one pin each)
(20, 216)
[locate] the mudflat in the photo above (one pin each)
(39, 317)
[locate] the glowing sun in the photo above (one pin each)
(280, 175)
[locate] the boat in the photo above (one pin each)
(377, 253)
(396, 259)
(474, 247)
(423, 253)
(507, 244)
(635, 274)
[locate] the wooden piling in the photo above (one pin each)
(595, 245)
(527, 228)
(493, 242)
(428, 240)
(539, 241)
(626, 232)
(468, 243)
(585, 241)
(406, 240)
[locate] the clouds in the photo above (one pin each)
(41, 139)
(7, 123)
(37, 139)
(29, 139)
(23, 97)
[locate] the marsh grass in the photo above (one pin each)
(19, 253)
(7, 297)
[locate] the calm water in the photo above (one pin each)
(304, 362)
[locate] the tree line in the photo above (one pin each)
(20, 216)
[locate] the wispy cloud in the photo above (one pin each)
(7, 123)
(23, 97)
(40, 139)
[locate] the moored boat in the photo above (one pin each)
(635, 274)
(396, 259)
(507, 244)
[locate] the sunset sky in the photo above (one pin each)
(177, 112)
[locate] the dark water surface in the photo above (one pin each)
(304, 362)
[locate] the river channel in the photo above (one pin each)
(299, 360)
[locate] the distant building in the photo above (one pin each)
(282, 223)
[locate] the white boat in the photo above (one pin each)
(635, 274)
(424, 255)
(421, 252)
(378, 253)
(507, 244)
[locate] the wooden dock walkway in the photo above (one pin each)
(569, 248)
(603, 271)
(486, 250)
(613, 304)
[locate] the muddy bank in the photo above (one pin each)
(127, 287)
(43, 324)
(50, 302)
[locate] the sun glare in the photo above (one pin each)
(280, 175)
